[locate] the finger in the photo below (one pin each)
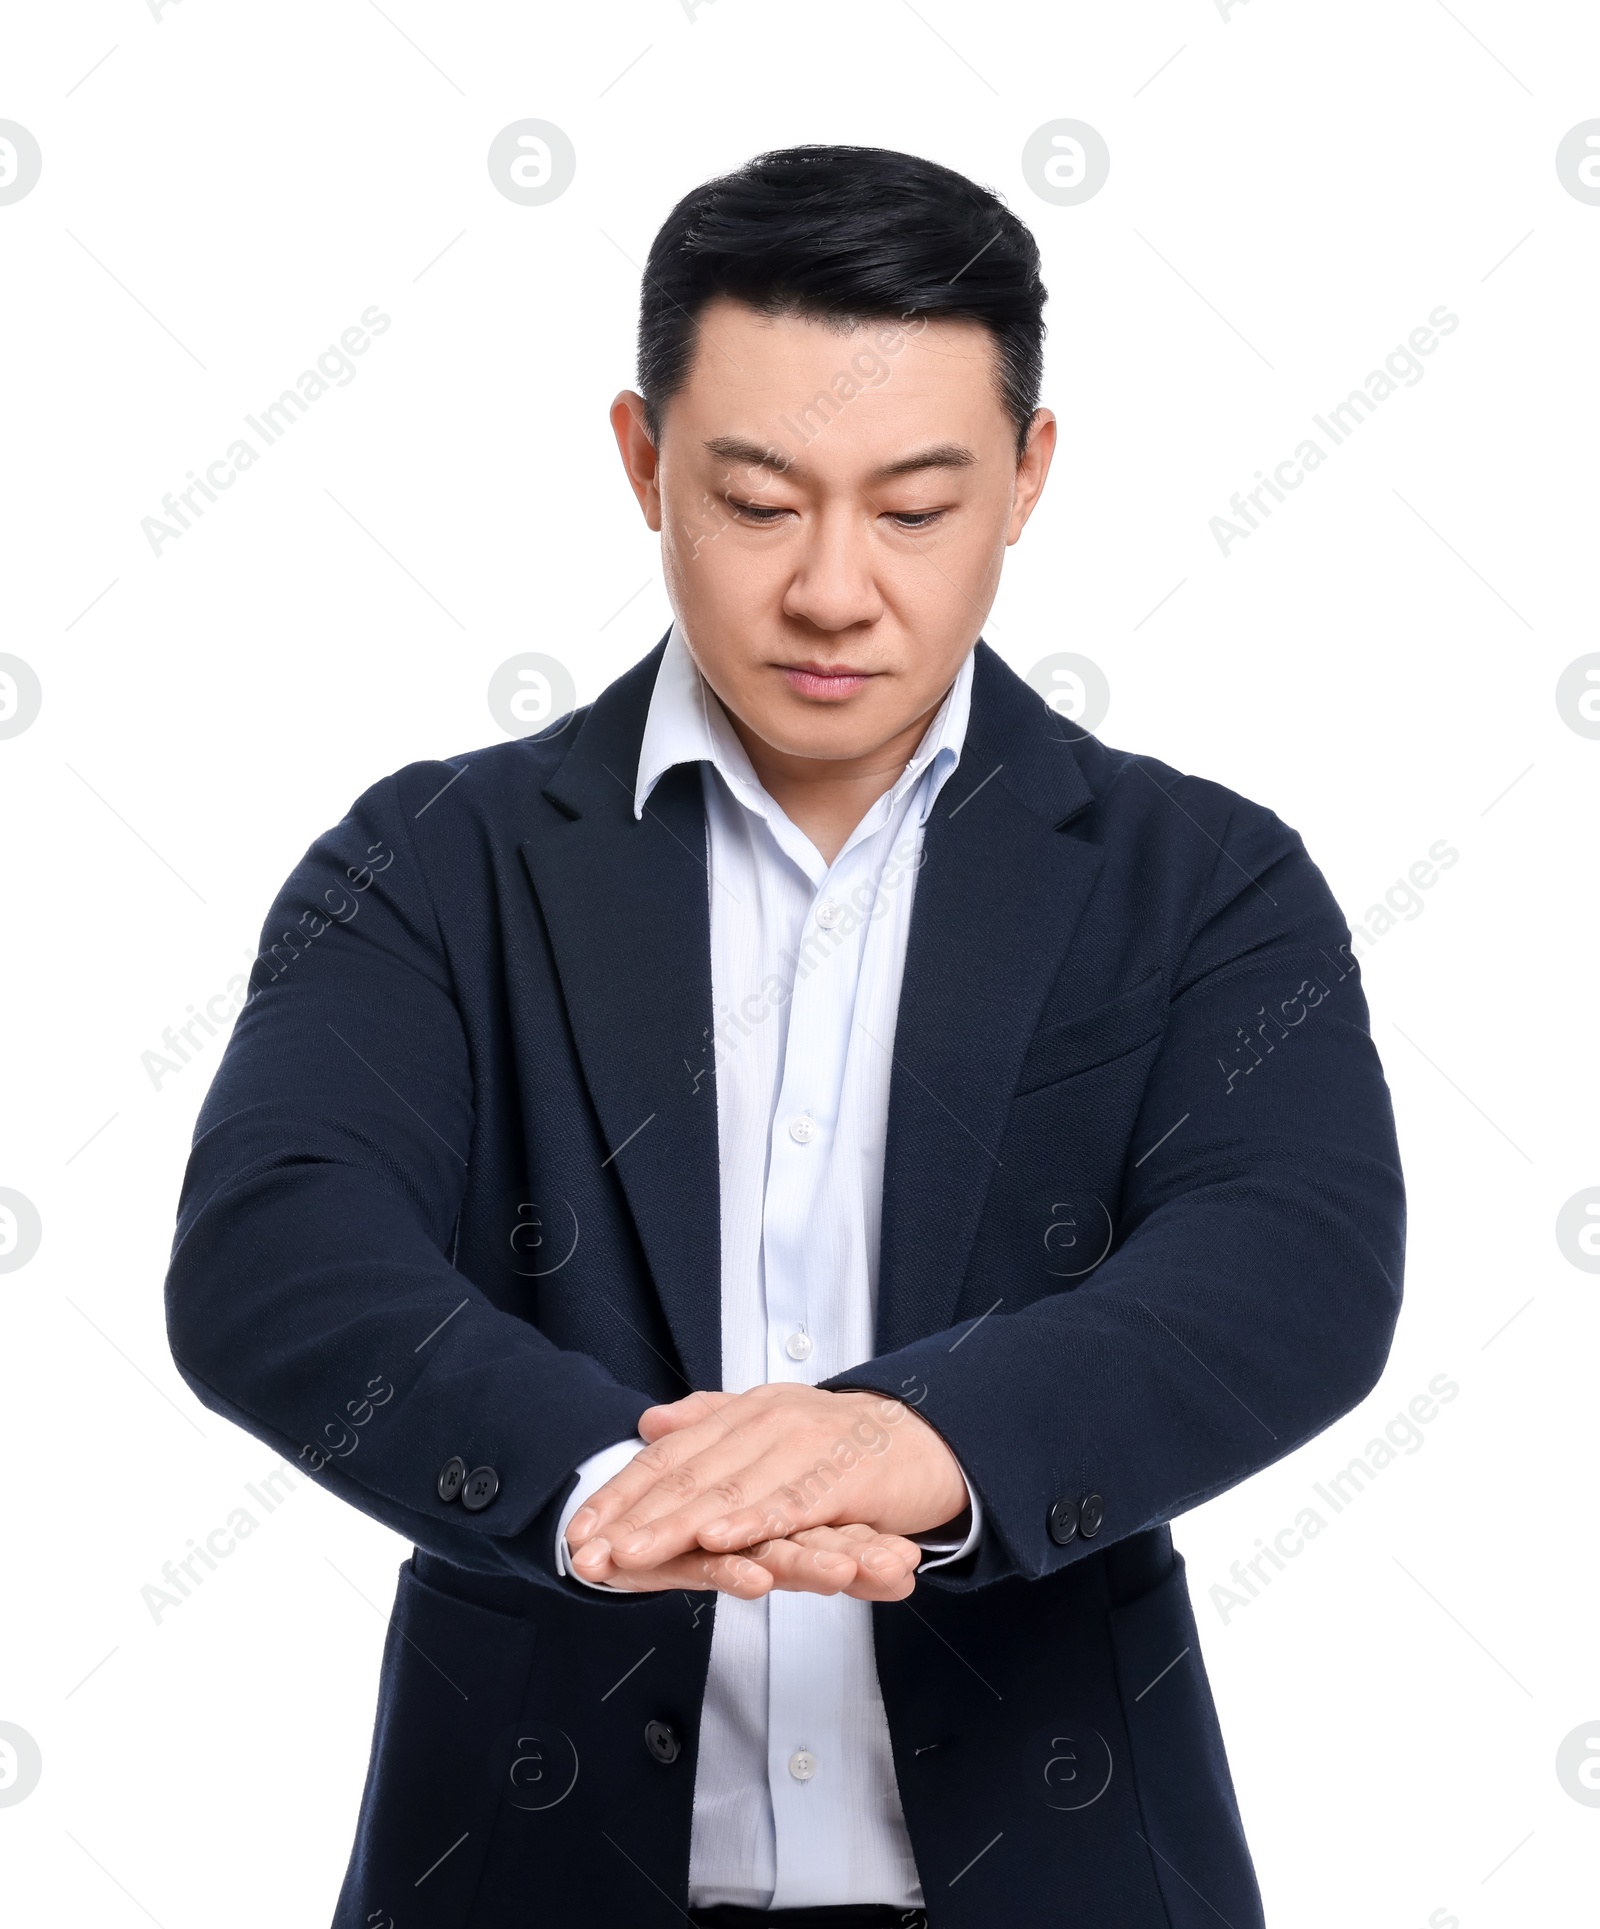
(886, 1564)
(825, 1566)
(799, 1497)
(850, 1560)
(672, 1416)
(744, 1503)
(804, 1570)
(660, 1461)
(737, 1574)
(861, 1543)
(775, 1472)
(804, 1481)
(704, 1473)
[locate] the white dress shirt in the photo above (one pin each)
(795, 1801)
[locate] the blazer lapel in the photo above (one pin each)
(999, 895)
(625, 903)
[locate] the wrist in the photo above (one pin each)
(925, 1488)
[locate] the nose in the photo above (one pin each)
(834, 586)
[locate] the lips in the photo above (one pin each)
(825, 680)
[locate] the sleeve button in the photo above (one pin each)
(451, 1476)
(1062, 1521)
(483, 1483)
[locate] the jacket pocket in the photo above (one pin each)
(1180, 1771)
(1093, 1038)
(433, 1786)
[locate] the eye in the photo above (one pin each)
(756, 512)
(915, 518)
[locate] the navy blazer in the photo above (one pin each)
(454, 1195)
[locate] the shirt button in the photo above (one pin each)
(798, 1346)
(803, 1129)
(802, 1765)
(829, 914)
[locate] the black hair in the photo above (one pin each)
(844, 234)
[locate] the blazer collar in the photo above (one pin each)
(1000, 715)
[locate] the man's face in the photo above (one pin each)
(834, 508)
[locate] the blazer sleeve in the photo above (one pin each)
(1252, 1286)
(311, 1296)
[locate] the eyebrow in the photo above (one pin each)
(940, 455)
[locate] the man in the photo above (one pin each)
(784, 1183)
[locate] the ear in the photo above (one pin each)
(638, 452)
(1032, 468)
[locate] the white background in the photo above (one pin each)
(1290, 195)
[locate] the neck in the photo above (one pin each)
(826, 797)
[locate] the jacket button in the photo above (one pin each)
(483, 1483)
(662, 1740)
(1091, 1516)
(451, 1476)
(1062, 1521)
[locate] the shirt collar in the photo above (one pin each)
(686, 723)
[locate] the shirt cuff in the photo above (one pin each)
(938, 1543)
(593, 1474)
